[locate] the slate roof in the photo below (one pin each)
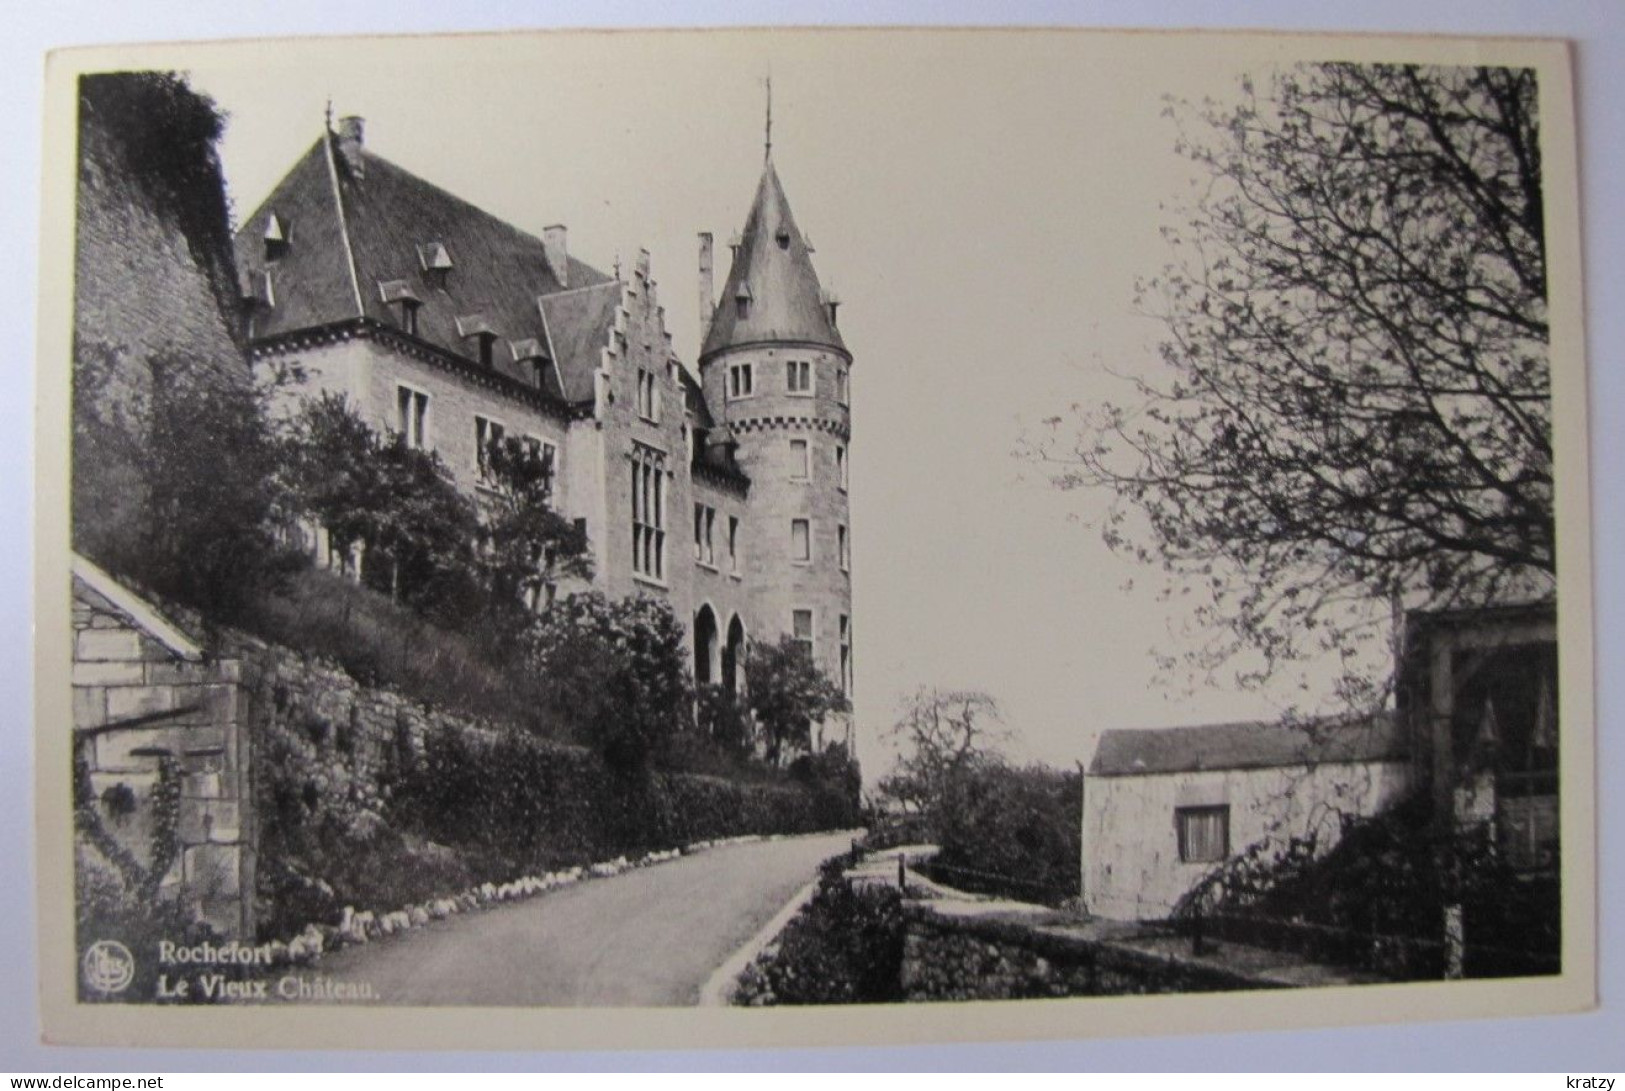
(1250, 745)
(786, 301)
(386, 219)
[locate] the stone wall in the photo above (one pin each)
(146, 698)
(967, 958)
(369, 725)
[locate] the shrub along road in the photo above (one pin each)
(649, 937)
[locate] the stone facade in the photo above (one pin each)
(373, 282)
(148, 703)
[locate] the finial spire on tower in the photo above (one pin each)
(767, 153)
(329, 113)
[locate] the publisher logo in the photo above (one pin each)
(109, 967)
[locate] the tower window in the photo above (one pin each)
(801, 629)
(840, 465)
(846, 557)
(801, 541)
(733, 544)
(800, 460)
(740, 381)
(840, 385)
(783, 239)
(798, 376)
(412, 416)
(846, 654)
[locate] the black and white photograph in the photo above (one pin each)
(820, 525)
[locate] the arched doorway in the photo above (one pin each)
(705, 646)
(733, 655)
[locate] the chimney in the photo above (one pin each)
(349, 144)
(707, 298)
(557, 251)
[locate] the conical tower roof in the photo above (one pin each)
(772, 269)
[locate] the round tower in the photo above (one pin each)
(777, 376)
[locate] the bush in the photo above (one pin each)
(379, 642)
(1013, 831)
(1376, 899)
(617, 672)
(844, 947)
(326, 835)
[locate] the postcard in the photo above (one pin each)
(645, 539)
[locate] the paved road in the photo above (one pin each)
(649, 937)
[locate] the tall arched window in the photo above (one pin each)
(705, 646)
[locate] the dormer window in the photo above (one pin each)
(783, 238)
(477, 328)
(436, 263)
(742, 301)
(400, 298)
(276, 237)
(531, 351)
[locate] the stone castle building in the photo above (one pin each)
(721, 489)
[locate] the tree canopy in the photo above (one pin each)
(788, 694)
(943, 736)
(1355, 406)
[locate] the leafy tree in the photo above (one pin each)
(1356, 406)
(526, 544)
(788, 694)
(397, 501)
(175, 484)
(943, 736)
(725, 720)
(617, 672)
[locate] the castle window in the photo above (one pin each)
(733, 544)
(840, 385)
(800, 460)
(648, 514)
(486, 433)
(846, 557)
(412, 416)
(648, 396)
(801, 541)
(798, 376)
(1204, 833)
(801, 629)
(783, 239)
(846, 653)
(705, 521)
(740, 381)
(840, 465)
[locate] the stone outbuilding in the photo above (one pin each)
(152, 715)
(1163, 807)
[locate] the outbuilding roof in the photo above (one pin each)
(1247, 745)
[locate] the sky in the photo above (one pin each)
(981, 203)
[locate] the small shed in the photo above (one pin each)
(1163, 807)
(156, 717)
